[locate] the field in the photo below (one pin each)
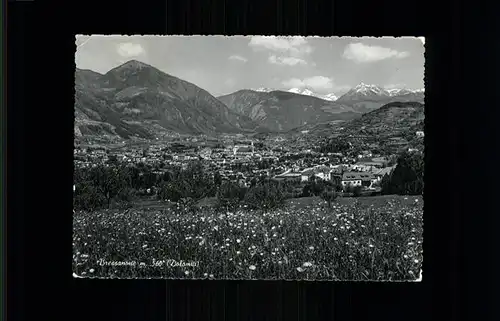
(372, 238)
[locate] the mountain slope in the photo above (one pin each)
(365, 98)
(282, 111)
(136, 99)
(406, 117)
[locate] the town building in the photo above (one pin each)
(358, 179)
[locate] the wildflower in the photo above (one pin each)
(307, 264)
(416, 261)
(238, 252)
(405, 256)
(370, 245)
(335, 239)
(279, 262)
(311, 248)
(238, 240)
(252, 267)
(300, 269)
(211, 276)
(186, 272)
(205, 274)
(91, 270)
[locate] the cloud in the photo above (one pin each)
(238, 58)
(289, 51)
(361, 53)
(289, 46)
(395, 86)
(290, 61)
(128, 49)
(319, 83)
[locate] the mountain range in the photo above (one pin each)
(281, 111)
(138, 100)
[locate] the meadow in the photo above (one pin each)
(372, 238)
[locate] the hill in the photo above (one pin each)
(136, 99)
(392, 118)
(281, 111)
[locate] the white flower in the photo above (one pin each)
(252, 267)
(307, 264)
(416, 261)
(238, 252)
(186, 272)
(91, 270)
(238, 240)
(300, 269)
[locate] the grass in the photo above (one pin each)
(372, 238)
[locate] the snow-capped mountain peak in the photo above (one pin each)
(331, 97)
(365, 88)
(303, 91)
(264, 89)
(308, 92)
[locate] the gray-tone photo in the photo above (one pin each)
(249, 157)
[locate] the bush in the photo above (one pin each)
(265, 196)
(229, 196)
(357, 191)
(88, 198)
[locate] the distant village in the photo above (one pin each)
(240, 160)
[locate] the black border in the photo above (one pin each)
(40, 147)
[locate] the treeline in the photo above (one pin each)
(408, 176)
(119, 185)
(334, 146)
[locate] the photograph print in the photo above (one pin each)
(248, 157)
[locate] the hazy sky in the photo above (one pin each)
(222, 65)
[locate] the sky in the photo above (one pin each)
(222, 65)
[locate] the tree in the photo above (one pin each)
(268, 195)
(113, 160)
(329, 195)
(109, 180)
(87, 197)
(408, 176)
(357, 191)
(229, 196)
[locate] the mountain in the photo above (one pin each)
(392, 118)
(308, 92)
(264, 89)
(282, 111)
(136, 99)
(365, 98)
(331, 97)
